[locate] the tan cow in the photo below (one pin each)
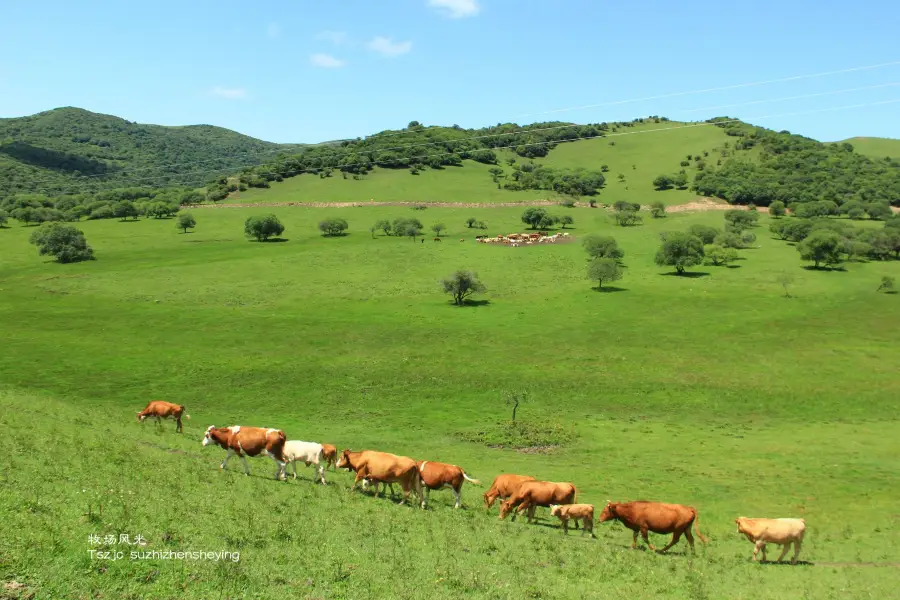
(641, 517)
(532, 494)
(252, 441)
(584, 512)
(160, 409)
(783, 532)
(309, 453)
(330, 455)
(437, 475)
(503, 487)
(382, 467)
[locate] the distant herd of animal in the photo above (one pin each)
(518, 493)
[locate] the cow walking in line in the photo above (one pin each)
(330, 455)
(642, 517)
(783, 532)
(249, 441)
(310, 453)
(504, 486)
(160, 409)
(383, 467)
(584, 512)
(532, 494)
(437, 475)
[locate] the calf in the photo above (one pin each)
(310, 453)
(532, 494)
(252, 441)
(330, 455)
(160, 409)
(384, 468)
(783, 532)
(503, 487)
(437, 475)
(641, 516)
(585, 512)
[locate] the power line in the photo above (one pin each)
(802, 96)
(617, 134)
(715, 89)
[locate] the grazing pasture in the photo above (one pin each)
(710, 390)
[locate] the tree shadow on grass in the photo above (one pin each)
(838, 268)
(787, 563)
(732, 266)
(271, 241)
(609, 289)
(686, 274)
(473, 303)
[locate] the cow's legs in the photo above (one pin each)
(646, 538)
(565, 524)
(294, 465)
(760, 545)
(457, 493)
(634, 540)
(360, 475)
(531, 510)
(227, 456)
(676, 535)
(784, 550)
(246, 466)
(690, 538)
(321, 470)
(796, 551)
(425, 495)
(179, 427)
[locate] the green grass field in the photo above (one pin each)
(713, 391)
(640, 153)
(876, 147)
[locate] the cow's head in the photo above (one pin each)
(141, 416)
(740, 524)
(554, 509)
(505, 508)
(343, 461)
(609, 512)
(207, 437)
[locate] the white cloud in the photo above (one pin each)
(335, 37)
(273, 30)
(456, 9)
(326, 61)
(386, 47)
(233, 93)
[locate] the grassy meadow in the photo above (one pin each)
(640, 153)
(876, 147)
(712, 390)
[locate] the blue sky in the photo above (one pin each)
(309, 71)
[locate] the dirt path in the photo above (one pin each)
(703, 204)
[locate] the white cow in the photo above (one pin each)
(783, 532)
(310, 453)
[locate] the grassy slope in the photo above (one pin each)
(652, 148)
(136, 153)
(769, 407)
(876, 147)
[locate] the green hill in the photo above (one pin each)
(53, 151)
(876, 147)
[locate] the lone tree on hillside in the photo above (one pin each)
(537, 218)
(333, 227)
(679, 250)
(64, 242)
(719, 256)
(185, 221)
(566, 220)
(515, 399)
(602, 246)
(263, 227)
(470, 222)
(887, 284)
(777, 209)
(461, 285)
(658, 210)
(437, 228)
(822, 247)
(604, 269)
(785, 280)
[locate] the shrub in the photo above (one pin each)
(601, 246)
(263, 227)
(461, 285)
(679, 250)
(706, 233)
(887, 284)
(740, 220)
(658, 210)
(437, 228)
(822, 247)
(333, 227)
(777, 209)
(663, 182)
(537, 218)
(64, 242)
(879, 212)
(102, 212)
(566, 220)
(603, 269)
(402, 225)
(857, 213)
(383, 225)
(470, 222)
(4, 218)
(717, 255)
(185, 221)
(125, 209)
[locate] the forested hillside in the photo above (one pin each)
(69, 148)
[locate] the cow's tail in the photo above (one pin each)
(470, 479)
(702, 537)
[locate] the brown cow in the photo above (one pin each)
(532, 494)
(330, 455)
(382, 467)
(503, 487)
(584, 512)
(160, 409)
(252, 441)
(783, 532)
(641, 516)
(437, 475)
(437, 239)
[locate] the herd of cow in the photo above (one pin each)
(518, 493)
(517, 239)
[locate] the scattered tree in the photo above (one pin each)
(566, 220)
(601, 246)
(470, 222)
(878, 211)
(823, 247)
(887, 284)
(437, 228)
(515, 399)
(481, 225)
(679, 250)
(719, 255)
(125, 209)
(373, 229)
(185, 221)
(680, 181)
(777, 209)
(604, 269)
(333, 227)
(262, 227)
(706, 233)
(461, 285)
(383, 225)
(4, 218)
(857, 213)
(412, 231)
(663, 182)
(402, 225)
(537, 218)
(785, 280)
(658, 210)
(739, 220)
(64, 242)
